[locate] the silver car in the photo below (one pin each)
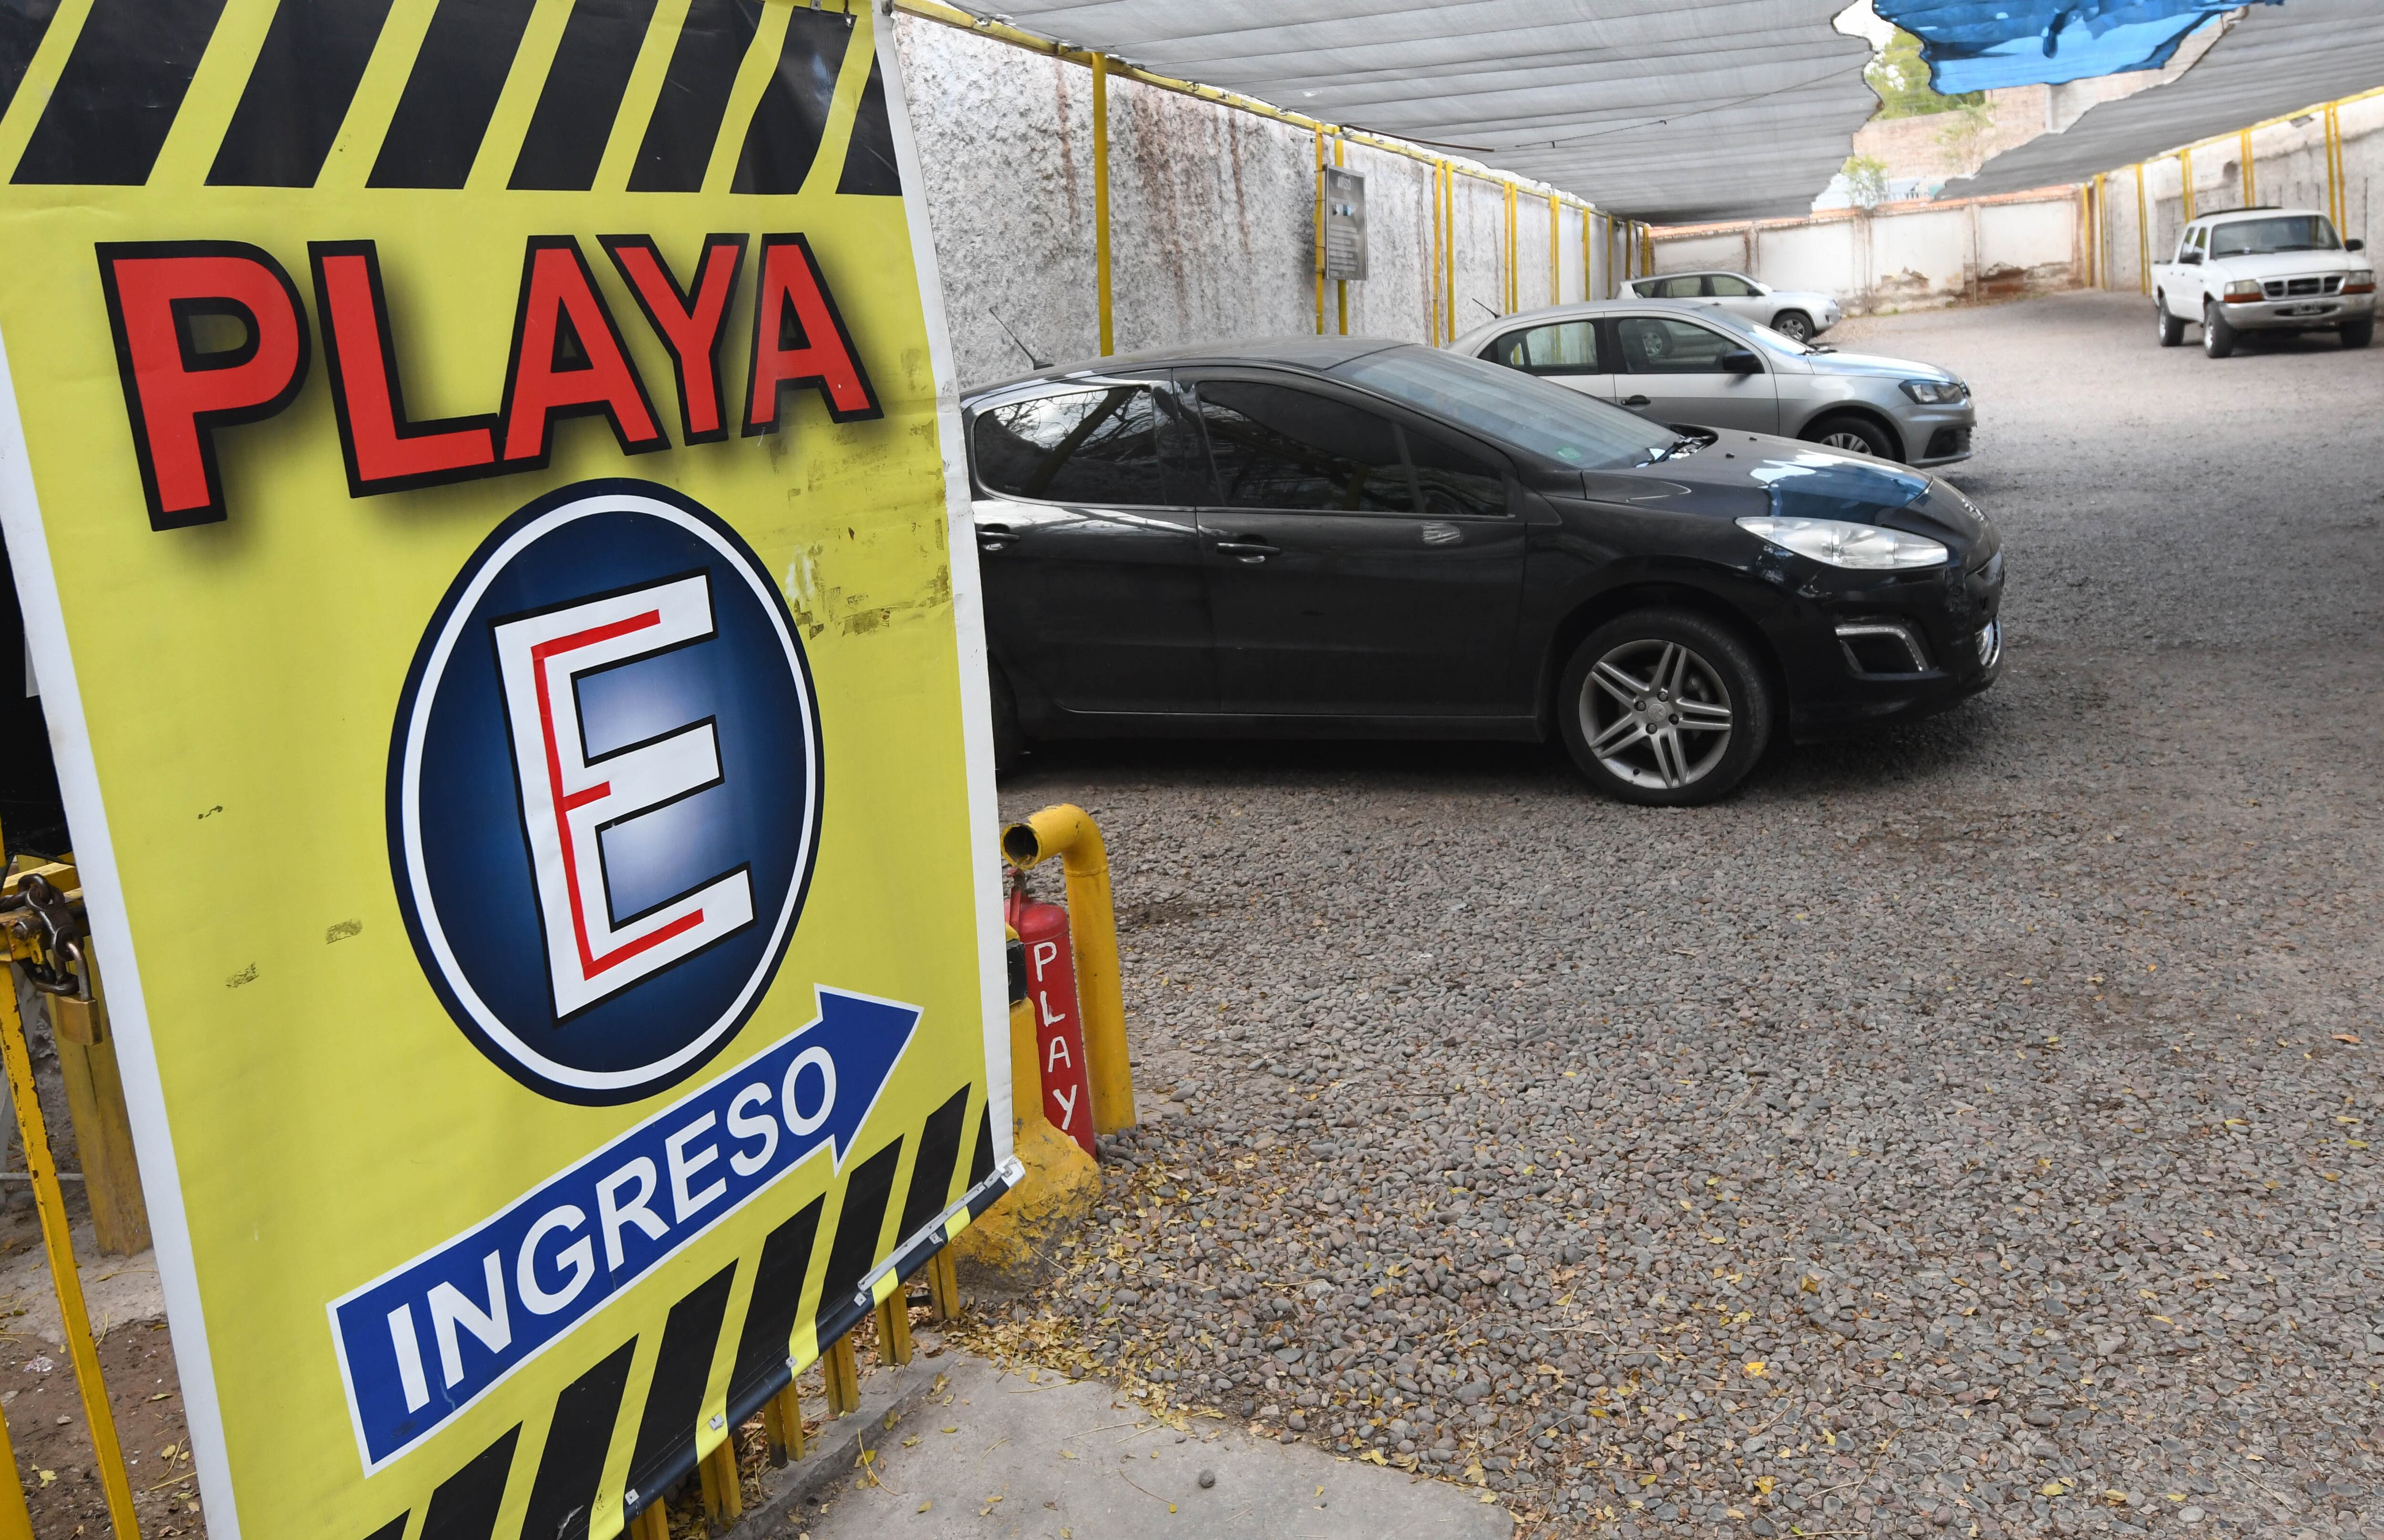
(1803, 313)
(1693, 366)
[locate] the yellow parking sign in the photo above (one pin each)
(480, 477)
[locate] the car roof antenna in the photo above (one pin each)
(1022, 347)
(1494, 315)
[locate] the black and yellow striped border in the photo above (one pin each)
(636, 95)
(675, 1427)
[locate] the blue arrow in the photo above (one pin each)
(422, 1343)
(863, 1036)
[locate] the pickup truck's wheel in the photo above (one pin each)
(1859, 434)
(1795, 324)
(2172, 330)
(2217, 336)
(2358, 333)
(1664, 707)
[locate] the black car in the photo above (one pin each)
(1343, 536)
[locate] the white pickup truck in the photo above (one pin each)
(2264, 270)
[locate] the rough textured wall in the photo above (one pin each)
(1212, 217)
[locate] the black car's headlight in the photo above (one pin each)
(1865, 547)
(1936, 392)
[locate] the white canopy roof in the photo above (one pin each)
(2276, 60)
(1672, 111)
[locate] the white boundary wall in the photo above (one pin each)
(1899, 257)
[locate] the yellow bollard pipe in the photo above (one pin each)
(1069, 833)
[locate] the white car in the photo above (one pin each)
(2264, 270)
(1799, 313)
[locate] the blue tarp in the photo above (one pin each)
(1975, 44)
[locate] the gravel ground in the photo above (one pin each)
(1962, 1131)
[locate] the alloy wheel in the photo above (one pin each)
(1656, 714)
(1845, 437)
(1796, 328)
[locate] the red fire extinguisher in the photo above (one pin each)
(1058, 1031)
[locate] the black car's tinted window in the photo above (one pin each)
(1567, 347)
(1453, 481)
(1277, 447)
(1096, 447)
(1657, 344)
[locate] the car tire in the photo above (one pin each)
(1795, 324)
(2172, 330)
(1638, 672)
(2217, 336)
(1859, 434)
(1009, 742)
(2357, 334)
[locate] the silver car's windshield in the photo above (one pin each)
(1504, 404)
(2286, 232)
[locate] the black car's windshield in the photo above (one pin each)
(2286, 232)
(1504, 404)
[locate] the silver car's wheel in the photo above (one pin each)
(1795, 324)
(1656, 714)
(1847, 438)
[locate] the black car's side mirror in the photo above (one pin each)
(1740, 361)
(2354, 244)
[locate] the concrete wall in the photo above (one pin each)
(1212, 216)
(1902, 255)
(2288, 167)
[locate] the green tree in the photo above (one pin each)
(1899, 76)
(1866, 181)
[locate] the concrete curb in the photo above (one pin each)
(835, 1452)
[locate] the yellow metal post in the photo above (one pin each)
(1556, 243)
(106, 1454)
(1586, 293)
(843, 1377)
(944, 1284)
(16, 1522)
(1341, 286)
(653, 1522)
(1102, 198)
(782, 1424)
(2333, 165)
(724, 1499)
(2101, 230)
(1320, 232)
(894, 1327)
(2244, 159)
(1449, 206)
(2185, 168)
(1512, 304)
(2143, 235)
(1069, 833)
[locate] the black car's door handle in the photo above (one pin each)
(1250, 552)
(1637, 401)
(995, 537)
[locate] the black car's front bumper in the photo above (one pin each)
(1863, 650)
